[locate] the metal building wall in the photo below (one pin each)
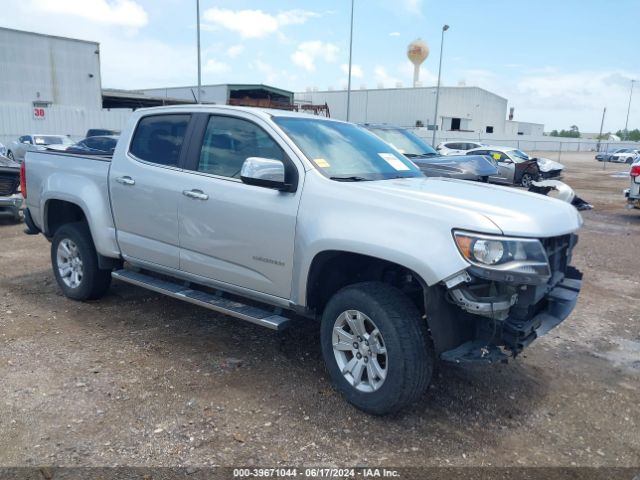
(405, 106)
(18, 120)
(60, 75)
(44, 68)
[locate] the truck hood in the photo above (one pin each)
(514, 212)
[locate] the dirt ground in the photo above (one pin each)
(142, 380)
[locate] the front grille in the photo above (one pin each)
(559, 251)
(8, 185)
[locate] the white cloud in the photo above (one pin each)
(356, 70)
(215, 67)
(394, 34)
(384, 79)
(254, 23)
(412, 6)
(126, 13)
(307, 52)
(235, 50)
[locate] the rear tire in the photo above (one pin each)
(383, 360)
(75, 263)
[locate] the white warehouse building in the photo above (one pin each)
(460, 109)
(51, 85)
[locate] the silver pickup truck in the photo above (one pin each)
(274, 216)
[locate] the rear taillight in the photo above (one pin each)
(23, 179)
(635, 171)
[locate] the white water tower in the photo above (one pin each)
(417, 52)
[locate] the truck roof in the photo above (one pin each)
(263, 112)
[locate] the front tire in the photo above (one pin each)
(526, 180)
(10, 155)
(75, 263)
(376, 348)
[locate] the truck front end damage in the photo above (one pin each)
(514, 291)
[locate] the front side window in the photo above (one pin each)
(346, 152)
(229, 141)
(499, 156)
(159, 138)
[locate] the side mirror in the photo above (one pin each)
(264, 172)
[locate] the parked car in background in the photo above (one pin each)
(101, 145)
(604, 156)
(456, 148)
(101, 132)
(3, 150)
(625, 155)
(430, 162)
(633, 192)
(514, 166)
(10, 198)
(32, 142)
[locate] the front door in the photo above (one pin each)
(144, 188)
(231, 232)
(506, 167)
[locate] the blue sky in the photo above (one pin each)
(558, 63)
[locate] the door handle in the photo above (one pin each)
(126, 180)
(198, 194)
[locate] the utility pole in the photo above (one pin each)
(199, 62)
(350, 53)
(626, 124)
(601, 127)
(435, 115)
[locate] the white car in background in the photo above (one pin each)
(456, 148)
(33, 142)
(625, 155)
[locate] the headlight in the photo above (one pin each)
(503, 254)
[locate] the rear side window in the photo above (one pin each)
(159, 138)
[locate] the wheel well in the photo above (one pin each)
(59, 213)
(332, 270)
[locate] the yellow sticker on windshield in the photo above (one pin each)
(321, 162)
(496, 156)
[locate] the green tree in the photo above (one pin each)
(573, 132)
(633, 135)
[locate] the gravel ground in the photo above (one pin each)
(142, 380)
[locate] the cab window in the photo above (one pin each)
(159, 138)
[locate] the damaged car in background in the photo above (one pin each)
(433, 164)
(10, 198)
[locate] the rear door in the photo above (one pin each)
(230, 232)
(144, 184)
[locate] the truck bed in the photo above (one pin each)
(78, 179)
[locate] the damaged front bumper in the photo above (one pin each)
(505, 317)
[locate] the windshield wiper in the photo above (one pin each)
(349, 179)
(420, 155)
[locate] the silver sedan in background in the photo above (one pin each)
(17, 149)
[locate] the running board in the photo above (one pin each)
(216, 302)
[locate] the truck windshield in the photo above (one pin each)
(346, 152)
(404, 141)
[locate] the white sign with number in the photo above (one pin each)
(39, 113)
